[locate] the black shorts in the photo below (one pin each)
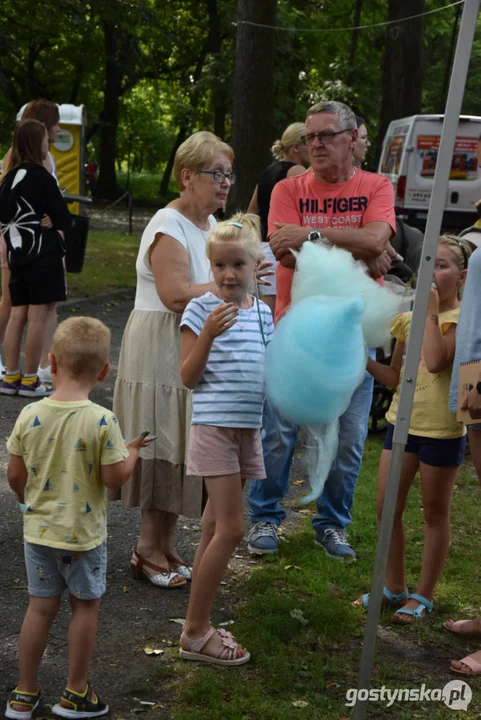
(437, 452)
(39, 283)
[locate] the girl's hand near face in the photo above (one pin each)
(433, 304)
(220, 320)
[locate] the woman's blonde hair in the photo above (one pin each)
(461, 250)
(293, 135)
(197, 152)
(244, 228)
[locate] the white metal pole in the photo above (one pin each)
(435, 216)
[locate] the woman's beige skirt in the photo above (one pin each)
(149, 395)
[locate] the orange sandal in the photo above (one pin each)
(164, 577)
(226, 656)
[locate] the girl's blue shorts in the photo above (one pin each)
(438, 452)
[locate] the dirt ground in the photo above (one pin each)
(133, 614)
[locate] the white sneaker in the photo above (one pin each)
(37, 389)
(3, 369)
(44, 374)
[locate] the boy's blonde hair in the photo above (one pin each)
(197, 152)
(81, 346)
(244, 228)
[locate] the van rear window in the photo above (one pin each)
(464, 165)
(391, 159)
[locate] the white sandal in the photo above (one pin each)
(184, 570)
(163, 578)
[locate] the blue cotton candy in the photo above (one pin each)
(333, 272)
(321, 450)
(316, 359)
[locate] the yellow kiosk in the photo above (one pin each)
(69, 151)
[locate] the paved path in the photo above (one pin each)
(133, 614)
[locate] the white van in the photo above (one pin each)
(408, 159)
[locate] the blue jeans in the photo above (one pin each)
(278, 444)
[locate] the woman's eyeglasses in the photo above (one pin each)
(326, 138)
(219, 176)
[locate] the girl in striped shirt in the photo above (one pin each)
(223, 340)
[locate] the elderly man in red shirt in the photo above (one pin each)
(333, 202)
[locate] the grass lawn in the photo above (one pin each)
(305, 638)
(109, 264)
(145, 185)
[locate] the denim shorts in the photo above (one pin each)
(437, 452)
(51, 570)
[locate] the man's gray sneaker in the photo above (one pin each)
(335, 544)
(263, 539)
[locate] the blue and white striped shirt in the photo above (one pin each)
(231, 391)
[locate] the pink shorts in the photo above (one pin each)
(3, 253)
(215, 451)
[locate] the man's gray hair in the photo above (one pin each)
(347, 119)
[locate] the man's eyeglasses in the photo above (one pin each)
(326, 138)
(219, 176)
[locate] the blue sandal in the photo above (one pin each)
(417, 613)
(392, 599)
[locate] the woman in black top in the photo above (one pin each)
(292, 159)
(32, 211)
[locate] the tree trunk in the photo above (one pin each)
(403, 68)
(109, 119)
(220, 112)
(164, 183)
(215, 46)
(351, 63)
(253, 105)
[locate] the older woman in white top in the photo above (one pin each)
(172, 268)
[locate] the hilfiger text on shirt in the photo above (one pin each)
(333, 205)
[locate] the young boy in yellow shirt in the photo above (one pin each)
(64, 451)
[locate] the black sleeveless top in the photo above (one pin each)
(270, 177)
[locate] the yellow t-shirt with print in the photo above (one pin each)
(63, 445)
(430, 416)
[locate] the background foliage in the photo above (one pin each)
(150, 72)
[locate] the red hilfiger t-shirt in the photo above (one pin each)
(303, 200)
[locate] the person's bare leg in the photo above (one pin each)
(396, 569)
(395, 573)
(470, 627)
(207, 533)
(37, 318)
(474, 437)
(149, 544)
(167, 538)
(82, 631)
(437, 488)
(5, 304)
(225, 496)
(33, 641)
(50, 327)
(13, 336)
